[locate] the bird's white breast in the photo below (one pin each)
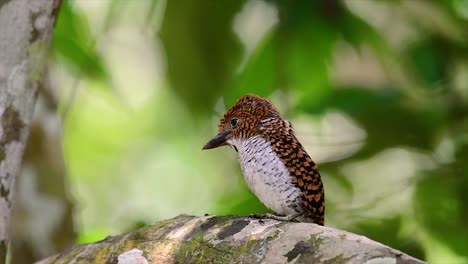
(267, 175)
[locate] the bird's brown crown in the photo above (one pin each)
(244, 116)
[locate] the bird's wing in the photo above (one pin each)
(302, 168)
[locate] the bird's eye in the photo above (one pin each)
(234, 122)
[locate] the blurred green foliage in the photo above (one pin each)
(201, 48)
(74, 43)
(407, 91)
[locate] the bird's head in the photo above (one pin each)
(242, 121)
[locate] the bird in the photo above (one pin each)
(274, 163)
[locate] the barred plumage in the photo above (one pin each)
(274, 163)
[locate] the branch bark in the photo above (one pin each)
(231, 239)
(25, 30)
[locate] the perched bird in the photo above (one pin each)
(275, 165)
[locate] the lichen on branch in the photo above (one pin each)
(232, 239)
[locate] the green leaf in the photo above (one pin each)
(429, 62)
(259, 74)
(74, 43)
(201, 49)
(355, 100)
(439, 208)
(308, 57)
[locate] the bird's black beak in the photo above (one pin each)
(218, 141)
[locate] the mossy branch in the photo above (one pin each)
(232, 239)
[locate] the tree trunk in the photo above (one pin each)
(231, 239)
(42, 217)
(25, 30)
